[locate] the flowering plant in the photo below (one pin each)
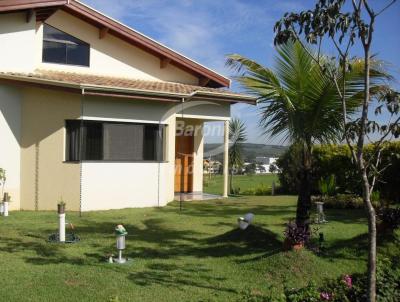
(324, 296)
(348, 281)
(297, 234)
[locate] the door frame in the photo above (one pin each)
(186, 156)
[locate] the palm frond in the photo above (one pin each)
(237, 136)
(298, 102)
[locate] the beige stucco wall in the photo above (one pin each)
(206, 110)
(44, 176)
(116, 185)
(17, 40)
(110, 55)
(10, 136)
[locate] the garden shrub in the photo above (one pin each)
(343, 289)
(236, 191)
(289, 166)
(260, 190)
(250, 191)
(309, 293)
(352, 288)
(388, 280)
(251, 295)
(336, 160)
(341, 201)
(389, 218)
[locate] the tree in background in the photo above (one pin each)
(250, 169)
(298, 103)
(2, 181)
(343, 26)
(237, 136)
(273, 168)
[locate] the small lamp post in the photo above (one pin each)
(120, 233)
(320, 212)
(6, 201)
(61, 220)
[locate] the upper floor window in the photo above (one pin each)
(59, 47)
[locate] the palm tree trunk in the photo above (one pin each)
(304, 199)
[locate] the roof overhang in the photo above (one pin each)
(15, 5)
(137, 94)
(107, 25)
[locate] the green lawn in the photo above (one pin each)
(213, 184)
(193, 255)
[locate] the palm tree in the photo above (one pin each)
(237, 136)
(298, 104)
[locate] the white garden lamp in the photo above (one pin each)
(320, 212)
(61, 221)
(245, 221)
(6, 201)
(120, 233)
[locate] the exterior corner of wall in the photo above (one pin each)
(10, 136)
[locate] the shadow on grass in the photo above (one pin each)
(174, 276)
(47, 253)
(15, 245)
(244, 242)
(224, 210)
(347, 216)
(351, 249)
(236, 242)
(155, 240)
(357, 247)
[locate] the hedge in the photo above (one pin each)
(336, 160)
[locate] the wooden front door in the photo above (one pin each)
(184, 147)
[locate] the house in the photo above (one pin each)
(266, 160)
(265, 164)
(89, 110)
(211, 166)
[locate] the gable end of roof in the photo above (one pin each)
(207, 77)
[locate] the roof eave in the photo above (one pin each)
(128, 92)
(12, 5)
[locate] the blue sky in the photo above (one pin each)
(208, 30)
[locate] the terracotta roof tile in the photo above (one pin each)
(124, 83)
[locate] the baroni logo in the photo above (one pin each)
(186, 126)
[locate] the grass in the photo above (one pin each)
(213, 184)
(194, 255)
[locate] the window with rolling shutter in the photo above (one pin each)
(113, 141)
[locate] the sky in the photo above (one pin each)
(208, 30)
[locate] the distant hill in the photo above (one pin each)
(251, 151)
